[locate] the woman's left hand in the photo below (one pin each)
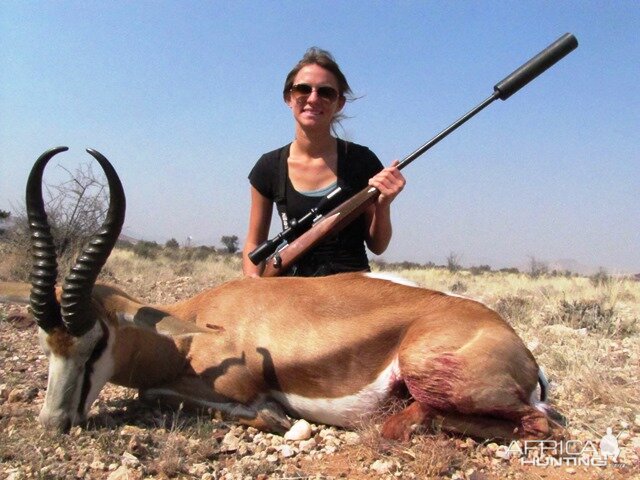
(389, 182)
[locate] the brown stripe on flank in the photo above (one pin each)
(216, 328)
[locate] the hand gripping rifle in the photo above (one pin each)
(327, 218)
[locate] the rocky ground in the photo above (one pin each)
(125, 439)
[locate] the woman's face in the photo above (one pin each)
(315, 110)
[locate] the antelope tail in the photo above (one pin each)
(542, 405)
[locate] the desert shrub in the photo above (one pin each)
(380, 264)
(479, 270)
(514, 308)
(512, 270)
(172, 244)
(593, 316)
(146, 249)
(184, 269)
(75, 210)
(453, 262)
(190, 254)
(561, 273)
(537, 268)
(459, 287)
(4, 218)
(124, 245)
(174, 254)
(203, 252)
(406, 266)
(230, 242)
(600, 279)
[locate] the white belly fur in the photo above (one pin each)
(343, 411)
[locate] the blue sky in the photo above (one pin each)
(183, 97)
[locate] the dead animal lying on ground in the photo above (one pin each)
(259, 351)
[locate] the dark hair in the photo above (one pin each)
(317, 56)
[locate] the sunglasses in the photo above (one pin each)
(326, 93)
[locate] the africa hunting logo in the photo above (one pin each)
(554, 453)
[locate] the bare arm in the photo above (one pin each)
(390, 183)
(259, 223)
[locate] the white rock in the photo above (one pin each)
(492, 447)
(327, 433)
(381, 467)
(230, 442)
(14, 474)
(131, 430)
(301, 430)
(129, 460)
(308, 445)
(122, 473)
(502, 452)
(287, 452)
(198, 469)
(275, 440)
(351, 438)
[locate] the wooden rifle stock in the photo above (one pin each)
(329, 224)
(338, 218)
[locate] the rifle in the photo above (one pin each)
(327, 218)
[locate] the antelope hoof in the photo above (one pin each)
(271, 418)
(401, 425)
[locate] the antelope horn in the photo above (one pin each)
(44, 306)
(78, 285)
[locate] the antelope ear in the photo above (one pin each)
(78, 285)
(43, 302)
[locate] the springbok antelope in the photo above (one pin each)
(258, 351)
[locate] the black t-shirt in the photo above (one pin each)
(346, 250)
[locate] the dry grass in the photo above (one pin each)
(584, 333)
(214, 269)
(429, 455)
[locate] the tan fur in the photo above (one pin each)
(329, 338)
(60, 342)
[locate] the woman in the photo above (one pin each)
(298, 175)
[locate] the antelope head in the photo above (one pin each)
(74, 330)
